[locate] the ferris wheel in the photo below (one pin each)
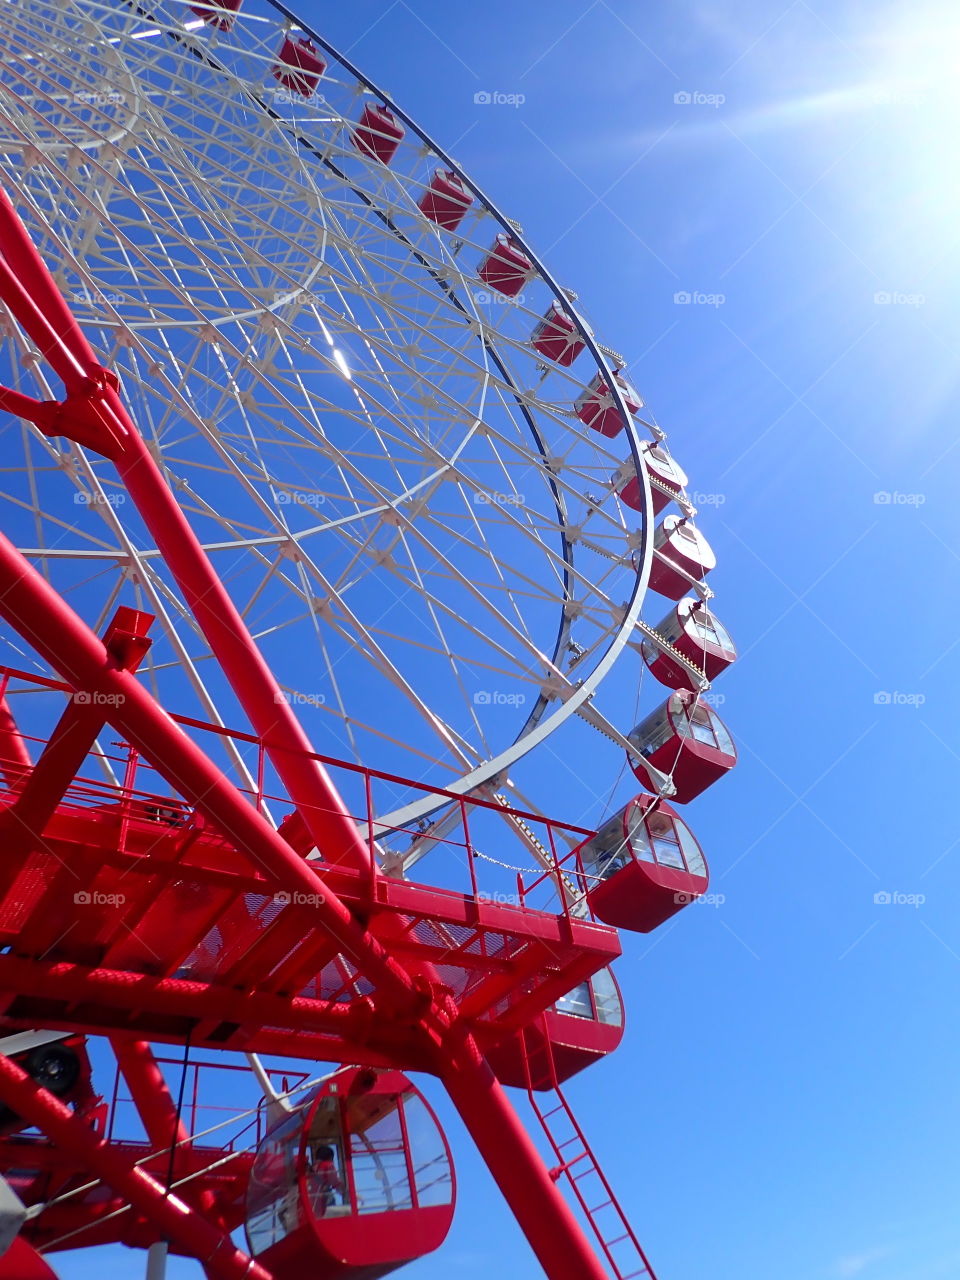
(377, 481)
(393, 432)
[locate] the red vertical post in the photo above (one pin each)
(534, 1198)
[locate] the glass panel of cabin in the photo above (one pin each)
(429, 1161)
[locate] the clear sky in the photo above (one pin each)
(785, 1102)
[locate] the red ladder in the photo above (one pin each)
(578, 1164)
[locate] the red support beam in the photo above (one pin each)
(177, 1222)
(164, 1127)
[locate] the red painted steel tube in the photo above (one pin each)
(538, 1205)
(43, 618)
(307, 782)
(15, 759)
(164, 1128)
(174, 1219)
(30, 290)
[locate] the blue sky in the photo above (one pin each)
(784, 1103)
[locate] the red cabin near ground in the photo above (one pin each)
(644, 865)
(685, 739)
(680, 554)
(696, 633)
(356, 1182)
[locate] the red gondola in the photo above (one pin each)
(661, 467)
(582, 1027)
(378, 133)
(299, 67)
(446, 200)
(681, 553)
(356, 1182)
(644, 865)
(219, 13)
(557, 337)
(506, 268)
(596, 407)
(686, 739)
(699, 635)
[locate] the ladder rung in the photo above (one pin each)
(598, 1207)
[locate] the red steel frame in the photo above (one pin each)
(409, 1002)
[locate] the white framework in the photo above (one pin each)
(356, 427)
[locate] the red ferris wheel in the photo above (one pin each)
(305, 447)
